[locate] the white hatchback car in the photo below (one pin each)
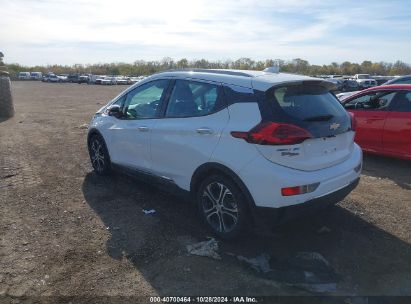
(247, 145)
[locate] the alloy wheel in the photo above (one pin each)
(219, 207)
(97, 155)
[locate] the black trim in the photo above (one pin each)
(154, 180)
(163, 106)
(278, 216)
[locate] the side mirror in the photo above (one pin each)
(114, 110)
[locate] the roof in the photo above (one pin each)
(258, 80)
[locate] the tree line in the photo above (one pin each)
(298, 65)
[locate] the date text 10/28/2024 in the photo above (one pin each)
(203, 300)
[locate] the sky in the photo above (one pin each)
(67, 32)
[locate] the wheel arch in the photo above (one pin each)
(91, 133)
(215, 168)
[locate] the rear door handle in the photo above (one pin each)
(204, 131)
(143, 129)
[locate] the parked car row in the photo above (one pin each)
(363, 81)
(80, 78)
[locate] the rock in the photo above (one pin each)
(206, 248)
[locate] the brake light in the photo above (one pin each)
(291, 191)
(353, 121)
(272, 133)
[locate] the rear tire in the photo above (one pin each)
(222, 206)
(99, 157)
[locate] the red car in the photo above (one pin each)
(383, 119)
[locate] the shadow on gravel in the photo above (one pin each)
(397, 170)
(4, 119)
(350, 251)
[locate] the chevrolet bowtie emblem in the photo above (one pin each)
(334, 126)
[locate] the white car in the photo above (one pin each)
(108, 81)
(246, 145)
(364, 81)
(123, 80)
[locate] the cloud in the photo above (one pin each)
(77, 31)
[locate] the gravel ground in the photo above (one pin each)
(68, 232)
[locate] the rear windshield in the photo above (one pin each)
(311, 107)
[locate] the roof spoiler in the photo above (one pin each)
(324, 83)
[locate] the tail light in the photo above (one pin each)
(289, 191)
(353, 122)
(272, 133)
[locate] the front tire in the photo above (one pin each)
(222, 206)
(99, 157)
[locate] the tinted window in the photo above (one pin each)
(303, 102)
(237, 94)
(143, 101)
(311, 107)
(191, 99)
(406, 80)
(380, 101)
(403, 102)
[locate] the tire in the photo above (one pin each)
(6, 100)
(99, 157)
(222, 206)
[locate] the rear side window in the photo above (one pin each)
(311, 107)
(406, 80)
(238, 94)
(403, 102)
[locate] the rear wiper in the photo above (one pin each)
(319, 118)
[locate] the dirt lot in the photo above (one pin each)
(65, 231)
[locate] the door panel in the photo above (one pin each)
(370, 111)
(397, 130)
(188, 134)
(369, 128)
(131, 134)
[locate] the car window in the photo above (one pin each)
(405, 80)
(303, 102)
(191, 99)
(403, 102)
(310, 107)
(379, 101)
(143, 101)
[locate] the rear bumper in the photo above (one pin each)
(277, 216)
(265, 180)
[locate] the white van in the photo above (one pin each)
(24, 76)
(36, 75)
